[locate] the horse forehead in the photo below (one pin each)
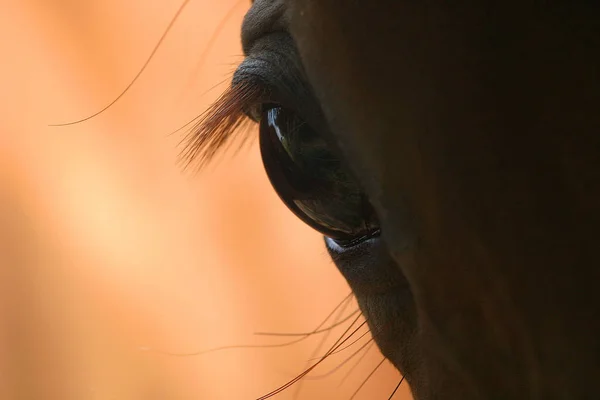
(265, 16)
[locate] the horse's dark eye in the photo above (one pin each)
(311, 180)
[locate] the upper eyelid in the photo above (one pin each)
(272, 64)
(276, 84)
(251, 69)
(275, 67)
(277, 54)
(252, 75)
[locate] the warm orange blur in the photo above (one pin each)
(107, 246)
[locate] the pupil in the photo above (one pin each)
(311, 180)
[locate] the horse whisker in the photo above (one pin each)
(322, 342)
(370, 342)
(396, 389)
(142, 69)
(347, 346)
(367, 379)
(336, 345)
(356, 364)
(310, 333)
(249, 346)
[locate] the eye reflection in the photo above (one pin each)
(311, 179)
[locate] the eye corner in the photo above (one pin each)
(253, 112)
(257, 110)
(348, 242)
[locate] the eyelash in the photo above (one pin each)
(234, 112)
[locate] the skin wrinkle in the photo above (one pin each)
(264, 17)
(456, 121)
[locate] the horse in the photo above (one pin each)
(450, 155)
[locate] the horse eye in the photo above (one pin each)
(311, 180)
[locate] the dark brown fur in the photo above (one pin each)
(474, 130)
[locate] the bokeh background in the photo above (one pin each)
(112, 255)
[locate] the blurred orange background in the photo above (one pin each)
(108, 247)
